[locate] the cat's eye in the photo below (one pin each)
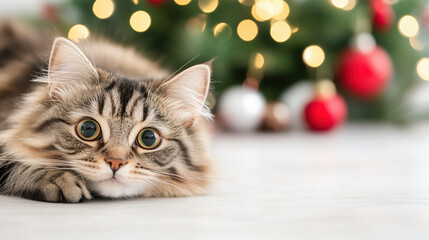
(148, 138)
(88, 129)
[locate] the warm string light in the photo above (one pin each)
(247, 3)
(284, 13)
(182, 2)
(345, 5)
(78, 32)
(280, 31)
(247, 30)
(417, 44)
(259, 61)
(423, 68)
(408, 26)
(264, 10)
(140, 21)
(313, 56)
(103, 8)
(222, 31)
(208, 6)
(196, 24)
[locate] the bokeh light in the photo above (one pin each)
(196, 24)
(259, 61)
(417, 44)
(325, 88)
(256, 16)
(313, 56)
(264, 10)
(423, 68)
(247, 30)
(78, 32)
(280, 31)
(103, 8)
(208, 6)
(222, 31)
(408, 26)
(346, 5)
(284, 13)
(182, 2)
(247, 3)
(140, 21)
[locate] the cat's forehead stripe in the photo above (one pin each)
(121, 93)
(101, 99)
(126, 91)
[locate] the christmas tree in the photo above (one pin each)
(273, 44)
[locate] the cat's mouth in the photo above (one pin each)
(112, 180)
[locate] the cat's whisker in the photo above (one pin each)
(168, 183)
(184, 65)
(182, 180)
(179, 178)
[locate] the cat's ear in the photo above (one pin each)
(187, 93)
(69, 68)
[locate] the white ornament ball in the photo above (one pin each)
(296, 97)
(241, 108)
(417, 101)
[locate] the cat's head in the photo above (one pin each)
(125, 137)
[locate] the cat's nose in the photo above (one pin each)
(115, 163)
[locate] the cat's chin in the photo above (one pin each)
(113, 188)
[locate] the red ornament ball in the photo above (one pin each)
(364, 74)
(382, 15)
(156, 2)
(323, 114)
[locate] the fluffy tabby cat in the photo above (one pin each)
(101, 121)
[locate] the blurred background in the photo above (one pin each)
(295, 64)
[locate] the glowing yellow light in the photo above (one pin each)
(196, 24)
(208, 6)
(417, 44)
(136, 2)
(259, 61)
(423, 68)
(182, 2)
(77, 32)
(263, 9)
(313, 56)
(222, 31)
(295, 29)
(247, 30)
(280, 31)
(140, 21)
(247, 3)
(408, 26)
(346, 5)
(256, 16)
(103, 8)
(339, 3)
(350, 5)
(325, 89)
(284, 12)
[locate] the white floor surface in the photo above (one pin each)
(360, 182)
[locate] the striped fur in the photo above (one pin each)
(41, 156)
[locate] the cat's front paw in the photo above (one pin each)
(61, 186)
